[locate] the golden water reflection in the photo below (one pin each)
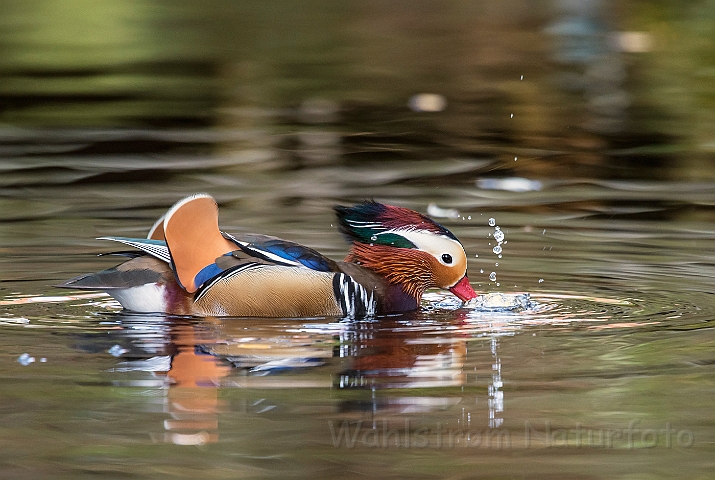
(391, 365)
(192, 396)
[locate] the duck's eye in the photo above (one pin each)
(447, 258)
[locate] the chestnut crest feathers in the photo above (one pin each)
(375, 223)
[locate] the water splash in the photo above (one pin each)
(500, 302)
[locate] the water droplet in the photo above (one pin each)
(481, 270)
(512, 116)
(117, 350)
(498, 284)
(493, 276)
(493, 222)
(469, 217)
(496, 264)
(500, 255)
(43, 360)
(541, 280)
(499, 236)
(373, 238)
(25, 359)
(522, 77)
(476, 255)
(515, 159)
(543, 232)
(497, 249)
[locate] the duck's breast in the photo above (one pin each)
(269, 291)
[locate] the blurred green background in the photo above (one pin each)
(585, 127)
(628, 87)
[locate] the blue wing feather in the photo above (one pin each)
(269, 249)
(299, 253)
(283, 252)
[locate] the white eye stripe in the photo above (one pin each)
(415, 233)
(434, 244)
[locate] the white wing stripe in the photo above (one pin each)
(264, 253)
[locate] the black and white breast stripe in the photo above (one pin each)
(228, 273)
(354, 300)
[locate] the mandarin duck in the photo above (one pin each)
(188, 266)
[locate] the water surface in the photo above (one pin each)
(587, 144)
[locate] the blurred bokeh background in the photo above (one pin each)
(586, 128)
(581, 87)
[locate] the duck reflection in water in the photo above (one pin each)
(170, 350)
(192, 397)
(194, 359)
(395, 353)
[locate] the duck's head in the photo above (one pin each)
(406, 247)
